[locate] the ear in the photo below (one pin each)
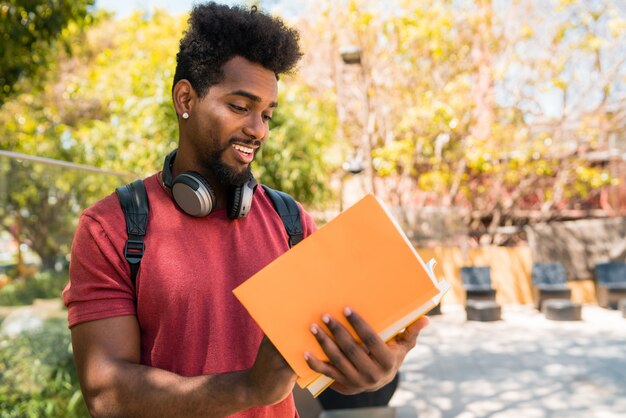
(183, 97)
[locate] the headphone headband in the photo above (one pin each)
(167, 169)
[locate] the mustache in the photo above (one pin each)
(244, 141)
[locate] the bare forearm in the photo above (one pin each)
(133, 390)
(115, 384)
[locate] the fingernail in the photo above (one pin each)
(307, 355)
(347, 311)
(314, 329)
(326, 319)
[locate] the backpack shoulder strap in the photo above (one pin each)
(289, 213)
(134, 201)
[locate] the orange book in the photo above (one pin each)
(361, 259)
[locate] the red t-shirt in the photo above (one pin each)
(190, 321)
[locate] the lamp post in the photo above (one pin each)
(352, 55)
(354, 164)
(351, 166)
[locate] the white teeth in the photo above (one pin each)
(243, 149)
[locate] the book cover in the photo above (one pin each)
(361, 259)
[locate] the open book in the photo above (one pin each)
(361, 259)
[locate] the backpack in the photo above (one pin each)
(134, 201)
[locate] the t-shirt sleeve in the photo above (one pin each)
(99, 286)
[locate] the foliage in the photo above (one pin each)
(25, 290)
(112, 114)
(41, 205)
(37, 374)
(476, 105)
(30, 33)
(293, 158)
(108, 105)
(488, 107)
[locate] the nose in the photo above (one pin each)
(255, 127)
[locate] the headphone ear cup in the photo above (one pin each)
(234, 202)
(240, 199)
(193, 194)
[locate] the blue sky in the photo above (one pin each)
(123, 8)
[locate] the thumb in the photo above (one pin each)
(410, 333)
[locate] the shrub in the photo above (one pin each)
(37, 374)
(23, 291)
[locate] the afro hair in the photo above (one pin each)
(217, 33)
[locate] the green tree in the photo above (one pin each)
(31, 32)
(294, 158)
(107, 104)
(451, 101)
(71, 119)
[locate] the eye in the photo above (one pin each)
(237, 108)
(267, 118)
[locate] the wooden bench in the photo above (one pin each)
(483, 310)
(562, 310)
(549, 282)
(477, 283)
(610, 283)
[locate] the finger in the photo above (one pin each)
(335, 356)
(407, 339)
(342, 383)
(343, 389)
(410, 334)
(322, 367)
(372, 341)
(354, 351)
(419, 325)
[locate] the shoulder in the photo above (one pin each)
(308, 224)
(107, 213)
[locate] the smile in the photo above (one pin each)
(244, 154)
(245, 150)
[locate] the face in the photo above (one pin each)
(229, 124)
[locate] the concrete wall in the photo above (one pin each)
(510, 273)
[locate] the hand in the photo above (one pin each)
(361, 367)
(270, 380)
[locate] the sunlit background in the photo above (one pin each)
(495, 130)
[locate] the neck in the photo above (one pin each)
(182, 163)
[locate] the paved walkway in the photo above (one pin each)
(521, 367)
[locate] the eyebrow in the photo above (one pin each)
(250, 96)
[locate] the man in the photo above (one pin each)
(177, 343)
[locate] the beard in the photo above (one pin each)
(226, 175)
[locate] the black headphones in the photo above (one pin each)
(194, 196)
